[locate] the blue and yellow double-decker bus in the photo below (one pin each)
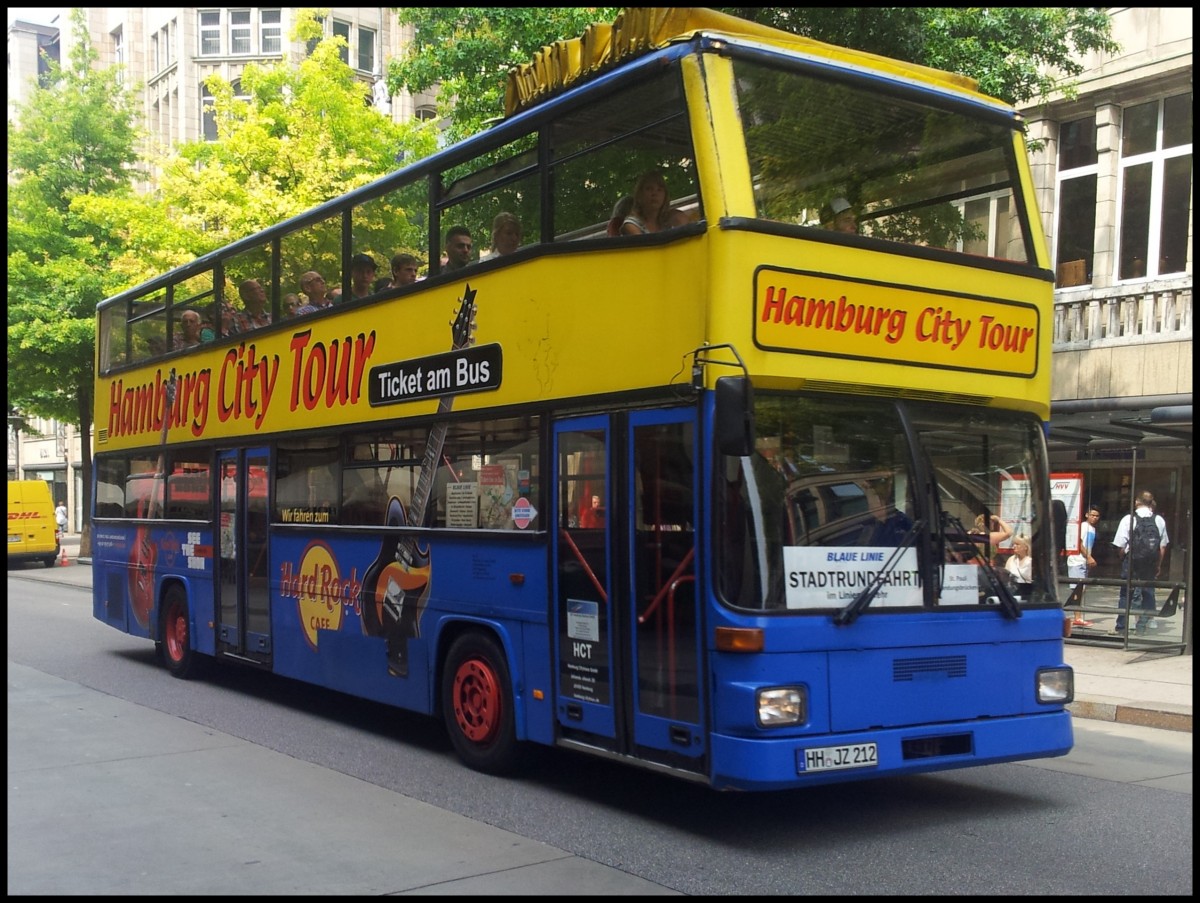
(715, 468)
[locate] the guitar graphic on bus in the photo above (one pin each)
(143, 555)
(396, 586)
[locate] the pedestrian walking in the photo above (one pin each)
(1141, 539)
(1080, 564)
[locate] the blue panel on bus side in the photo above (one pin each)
(358, 665)
(490, 578)
(130, 565)
(536, 684)
(321, 585)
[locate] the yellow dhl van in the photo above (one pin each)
(32, 531)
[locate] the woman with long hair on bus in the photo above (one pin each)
(651, 210)
(506, 235)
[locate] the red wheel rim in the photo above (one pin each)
(176, 632)
(477, 701)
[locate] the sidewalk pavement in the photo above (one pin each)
(1131, 686)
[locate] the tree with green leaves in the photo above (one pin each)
(289, 139)
(1018, 54)
(467, 52)
(74, 139)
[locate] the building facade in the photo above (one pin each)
(29, 47)
(170, 52)
(1114, 175)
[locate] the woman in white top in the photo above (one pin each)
(651, 211)
(506, 234)
(1020, 562)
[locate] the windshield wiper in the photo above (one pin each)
(850, 613)
(1008, 604)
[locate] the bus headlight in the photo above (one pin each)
(782, 705)
(1056, 685)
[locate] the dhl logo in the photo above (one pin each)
(23, 515)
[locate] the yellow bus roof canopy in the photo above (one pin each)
(639, 30)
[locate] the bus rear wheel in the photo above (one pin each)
(477, 705)
(174, 646)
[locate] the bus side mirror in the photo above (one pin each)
(734, 424)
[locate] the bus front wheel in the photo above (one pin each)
(477, 704)
(174, 646)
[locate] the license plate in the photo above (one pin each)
(14, 537)
(833, 758)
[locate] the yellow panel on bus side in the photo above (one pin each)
(718, 141)
(859, 319)
(559, 326)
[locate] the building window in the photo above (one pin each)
(342, 30)
(1156, 187)
(168, 37)
(210, 32)
(239, 31)
(270, 31)
(1076, 230)
(311, 44)
(118, 42)
(366, 49)
(208, 114)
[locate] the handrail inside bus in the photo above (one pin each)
(587, 568)
(675, 578)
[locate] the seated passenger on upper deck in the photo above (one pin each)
(254, 302)
(838, 216)
(187, 329)
(313, 285)
(506, 235)
(362, 275)
(458, 247)
(651, 210)
(405, 271)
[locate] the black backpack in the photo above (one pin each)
(1143, 541)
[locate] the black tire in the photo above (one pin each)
(477, 705)
(174, 647)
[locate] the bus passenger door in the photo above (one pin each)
(583, 620)
(243, 606)
(664, 611)
(627, 647)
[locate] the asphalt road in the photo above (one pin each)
(1113, 817)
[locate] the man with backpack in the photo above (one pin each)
(1142, 541)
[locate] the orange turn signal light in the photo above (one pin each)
(739, 639)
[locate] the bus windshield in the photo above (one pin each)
(834, 487)
(901, 168)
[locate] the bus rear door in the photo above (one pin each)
(244, 610)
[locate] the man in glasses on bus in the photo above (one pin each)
(313, 285)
